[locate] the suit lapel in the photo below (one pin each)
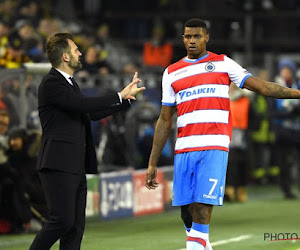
(53, 71)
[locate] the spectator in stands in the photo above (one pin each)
(4, 32)
(22, 154)
(47, 27)
(157, 52)
(261, 138)
(14, 55)
(10, 98)
(286, 126)
(102, 37)
(44, 29)
(12, 101)
(130, 68)
(237, 173)
(32, 42)
(145, 144)
(31, 11)
(92, 64)
(112, 150)
(115, 53)
(85, 39)
(4, 123)
(14, 207)
(140, 124)
(9, 10)
(90, 11)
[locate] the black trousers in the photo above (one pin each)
(286, 156)
(65, 195)
(237, 170)
(14, 206)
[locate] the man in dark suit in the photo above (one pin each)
(67, 152)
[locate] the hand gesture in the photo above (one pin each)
(131, 90)
(150, 181)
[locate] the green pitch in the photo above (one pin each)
(244, 224)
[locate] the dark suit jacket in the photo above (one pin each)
(65, 116)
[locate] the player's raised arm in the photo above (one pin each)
(271, 89)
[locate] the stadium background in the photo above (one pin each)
(122, 213)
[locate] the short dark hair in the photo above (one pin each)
(16, 132)
(196, 22)
(56, 46)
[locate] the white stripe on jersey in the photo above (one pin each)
(196, 141)
(228, 66)
(202, 116)
(205, 90)
(190, 70)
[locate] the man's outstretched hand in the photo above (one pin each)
(131, 90)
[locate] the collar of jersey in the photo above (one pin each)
(197, 60)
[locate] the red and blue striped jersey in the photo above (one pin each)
(200, 90)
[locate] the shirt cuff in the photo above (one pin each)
(120, 97)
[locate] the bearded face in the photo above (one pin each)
(75, 63)
(75, 55)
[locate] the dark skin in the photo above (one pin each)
(195, 40)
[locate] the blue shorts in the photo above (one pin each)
(199, 177)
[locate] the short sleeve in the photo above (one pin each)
(237, 73)
(168, 94)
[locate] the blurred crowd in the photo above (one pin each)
(265, 139)
(266, 132)
(25, 27)
(22, 202)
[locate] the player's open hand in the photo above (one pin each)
(131, 90)
(150, 181)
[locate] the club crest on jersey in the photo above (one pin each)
(210, 67)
